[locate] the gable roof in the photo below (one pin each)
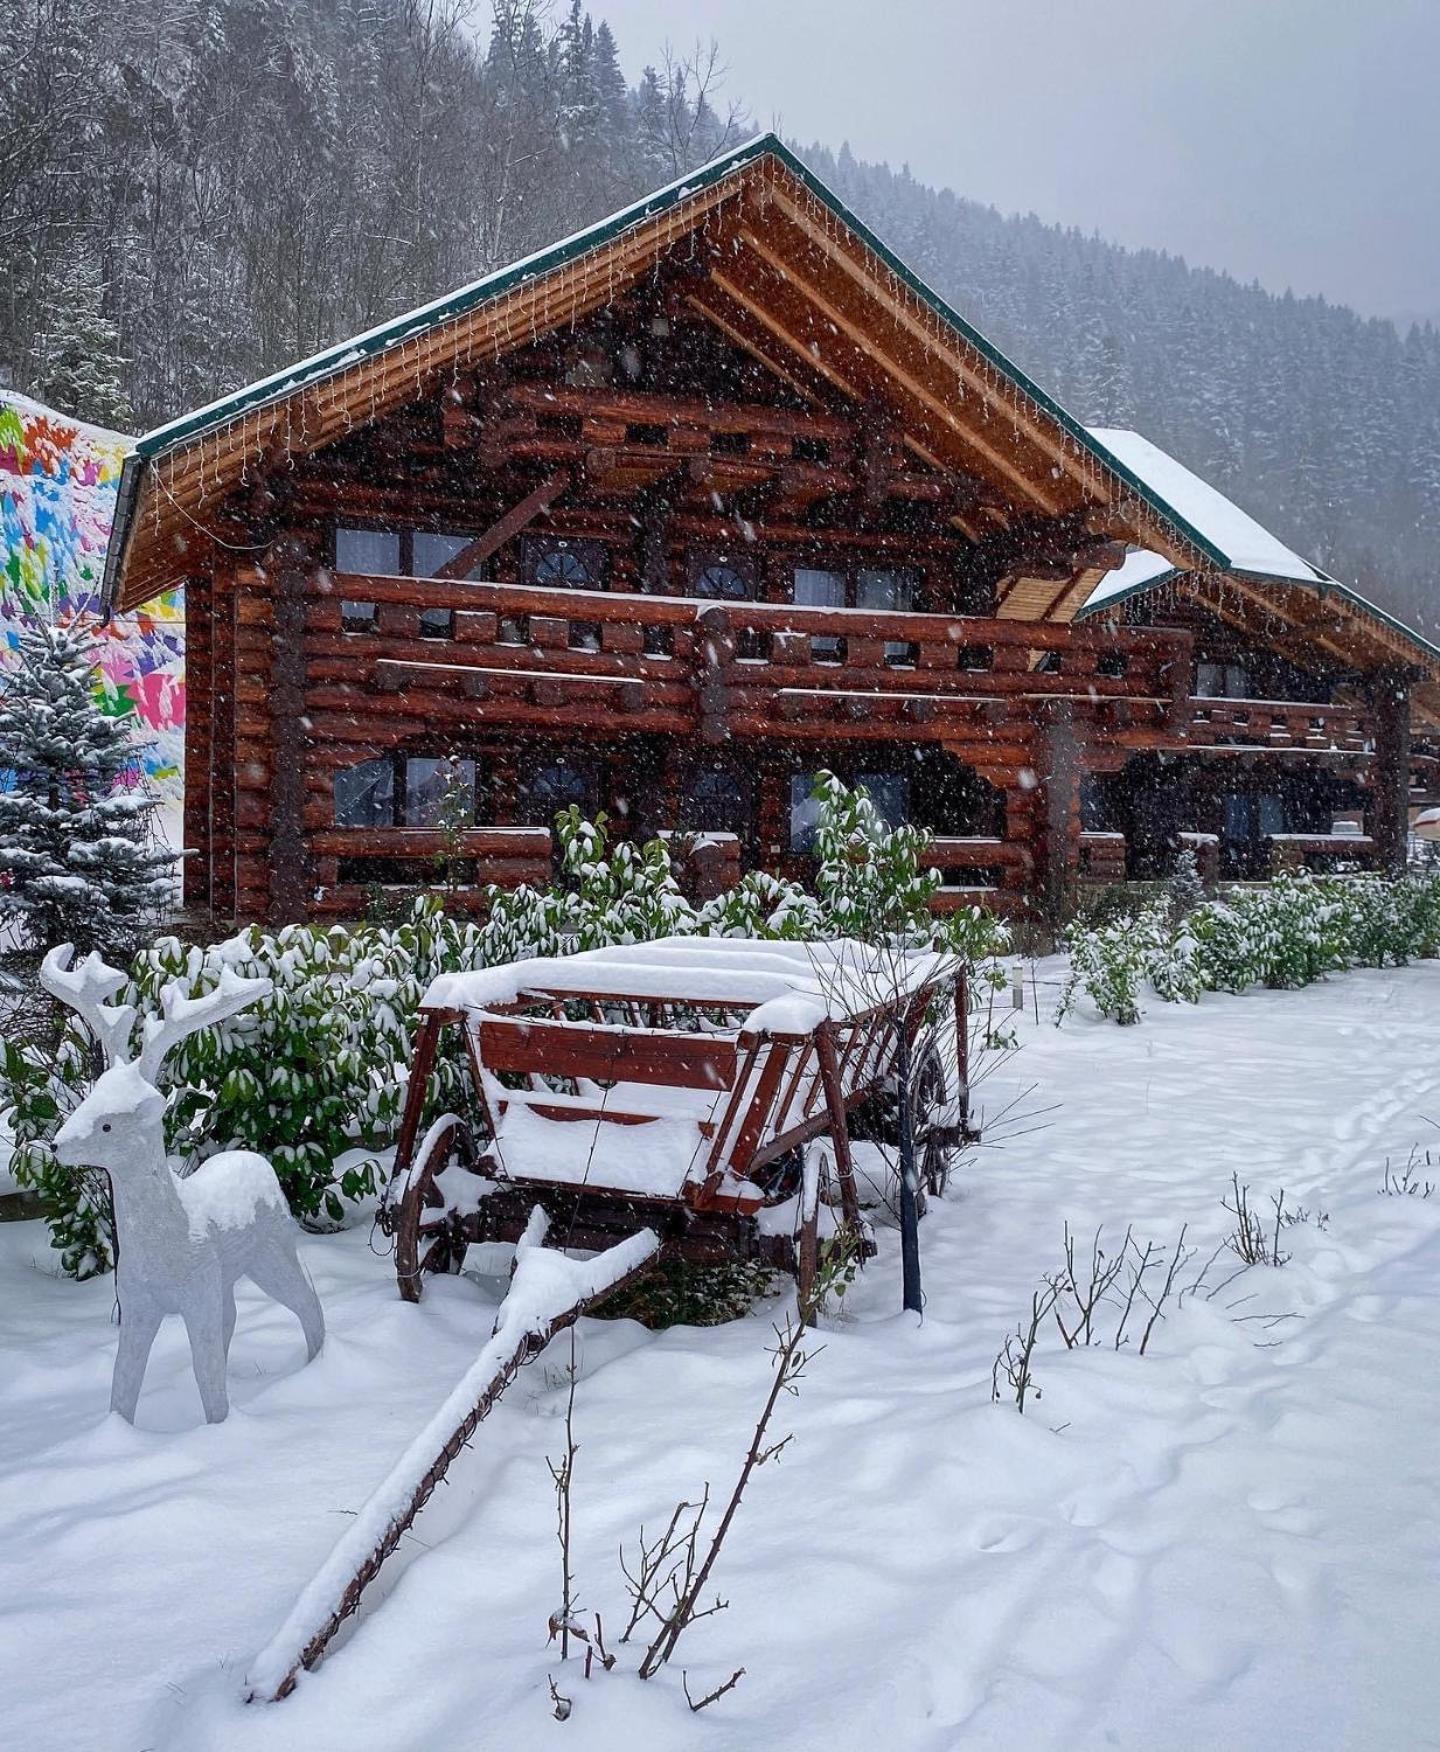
(179, 469)
(1260, 565)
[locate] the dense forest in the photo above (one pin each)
(197, 191)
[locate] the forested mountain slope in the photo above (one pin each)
(198, 191)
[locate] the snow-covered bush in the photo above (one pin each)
(41, 1083)
(1108, 963)
(315, 1075)
(1286, 934)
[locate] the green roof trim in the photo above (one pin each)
(1322, 587)
(332, 360)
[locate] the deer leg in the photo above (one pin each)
(227, 1305)
(139, 1322)
(276, 1268)
(204, 1315)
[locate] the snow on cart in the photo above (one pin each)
(674, 1086)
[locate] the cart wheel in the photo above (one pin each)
(426, 1234)
(932, 1140)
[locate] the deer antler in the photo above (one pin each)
(85, 989)
(181, 1015)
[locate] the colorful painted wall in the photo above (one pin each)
(58, 482)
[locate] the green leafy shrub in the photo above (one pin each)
(315, 1075)
(1284, 935)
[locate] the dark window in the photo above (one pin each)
(719, 576)
(804, 812)
(729, 443)
(1222, 681)
(894, 592)
(642, 432)
(400, 790)
(977, 657)
(722, 577)
(437, 790)
(548, 789)
(810, 449)
(365, 794)
(560, 564)
(719, 801)
(437, 623)
(817, 588)
(358, 617)
(1112, 663)
(890, 793)
(368, 550)
(566, 426)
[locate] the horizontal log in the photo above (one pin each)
(531, 843)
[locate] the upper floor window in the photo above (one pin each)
(815, 587)
(561, 563)
(417, 553)
(722, 577)
(1222, 681)
(893, 591)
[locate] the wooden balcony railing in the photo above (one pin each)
(1248, 725)
(350, 860)
(1290, 852)
(673, 663)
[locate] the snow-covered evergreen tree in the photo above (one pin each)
(83, 371)
(78, 861)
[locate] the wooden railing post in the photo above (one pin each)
(1390, 772)
(290, 880)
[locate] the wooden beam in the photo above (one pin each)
(475, 553)
(938, 409)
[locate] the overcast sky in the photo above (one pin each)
(1292, 141)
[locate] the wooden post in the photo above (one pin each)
(290, 878)
(1059, 775)
(962, 1044)
(1390, 771)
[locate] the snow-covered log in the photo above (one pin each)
(547, 1293)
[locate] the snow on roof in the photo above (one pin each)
(37, 410)
(1141, 568)
(1247, 545)
(787, 987)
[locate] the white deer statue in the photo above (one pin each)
(180, 1243)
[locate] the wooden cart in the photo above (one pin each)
(674, 1086)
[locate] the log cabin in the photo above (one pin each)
(666, 517)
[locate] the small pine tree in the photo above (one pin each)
(83, 369)
(78, 862)
(1187, 891)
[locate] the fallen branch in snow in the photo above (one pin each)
(699, 1703)
(547, 1293)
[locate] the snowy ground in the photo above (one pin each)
(1232, 1541)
